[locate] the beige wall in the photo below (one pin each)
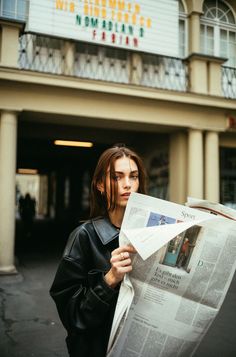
(108, 101)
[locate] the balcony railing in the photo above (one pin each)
(57, 56)
(164, 72)
(229, 82)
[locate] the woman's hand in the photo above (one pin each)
(120, 265)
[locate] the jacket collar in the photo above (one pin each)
(104, 229)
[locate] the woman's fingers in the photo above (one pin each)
(124, 249)
(119, 257)
(121, 264)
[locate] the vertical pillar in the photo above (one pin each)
(178, 167)
(215, 75)
(195, 163)
(212, 171)
(69, 53)
(9, 44)
(136, 68)
(194, 32)
(29, 61)
(8, 133)
(197, 64)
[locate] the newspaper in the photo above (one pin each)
(212, 207)
(183, 268)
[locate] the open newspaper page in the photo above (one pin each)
(181, 274)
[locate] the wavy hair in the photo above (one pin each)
(99, 206)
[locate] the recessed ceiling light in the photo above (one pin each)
(84, 144)
(27, 171)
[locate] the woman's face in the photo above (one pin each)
(126, 176)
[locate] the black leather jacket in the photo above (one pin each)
(85, 303)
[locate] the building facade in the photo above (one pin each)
(161, 78)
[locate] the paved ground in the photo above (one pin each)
(29, 325)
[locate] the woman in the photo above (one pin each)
(86, 285)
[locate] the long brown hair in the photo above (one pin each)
(99, 205)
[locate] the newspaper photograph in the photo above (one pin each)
(183, 267)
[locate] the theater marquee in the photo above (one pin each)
(148, 25)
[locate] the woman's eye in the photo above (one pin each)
(116, 178)
(134, 177)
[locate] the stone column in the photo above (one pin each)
(195, 163)
(8, 135)
(178, 167)
(212, 171)
(194, 32)
(197, 64)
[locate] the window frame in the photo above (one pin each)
(183, 46)
(217, 27)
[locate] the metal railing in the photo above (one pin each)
(50, 55)
(164, 72)
(42, 54)
(229, 82)
(101, 63)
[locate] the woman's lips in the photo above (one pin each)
(126, 194)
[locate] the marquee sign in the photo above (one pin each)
(144, 25)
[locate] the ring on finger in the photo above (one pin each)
(122, 256)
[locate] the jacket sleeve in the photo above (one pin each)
(82, 297)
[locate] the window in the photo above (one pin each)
(228, 176)
(218, 31)
(182, 30)
(14, 9)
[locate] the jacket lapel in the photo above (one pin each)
(104, 229)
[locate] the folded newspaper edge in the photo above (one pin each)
(144, 239)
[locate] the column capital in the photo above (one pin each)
(10, 111)
(195, 12)
(194, 129)
(206, 58)
(15, 23)
(195, 6)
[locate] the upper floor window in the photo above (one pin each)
(14, 9)
(182, 30)
(218, 31)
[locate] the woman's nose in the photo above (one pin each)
(127, 182)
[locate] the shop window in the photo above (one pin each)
(158, 173)
(228, 177)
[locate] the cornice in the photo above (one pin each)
(61, 81)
